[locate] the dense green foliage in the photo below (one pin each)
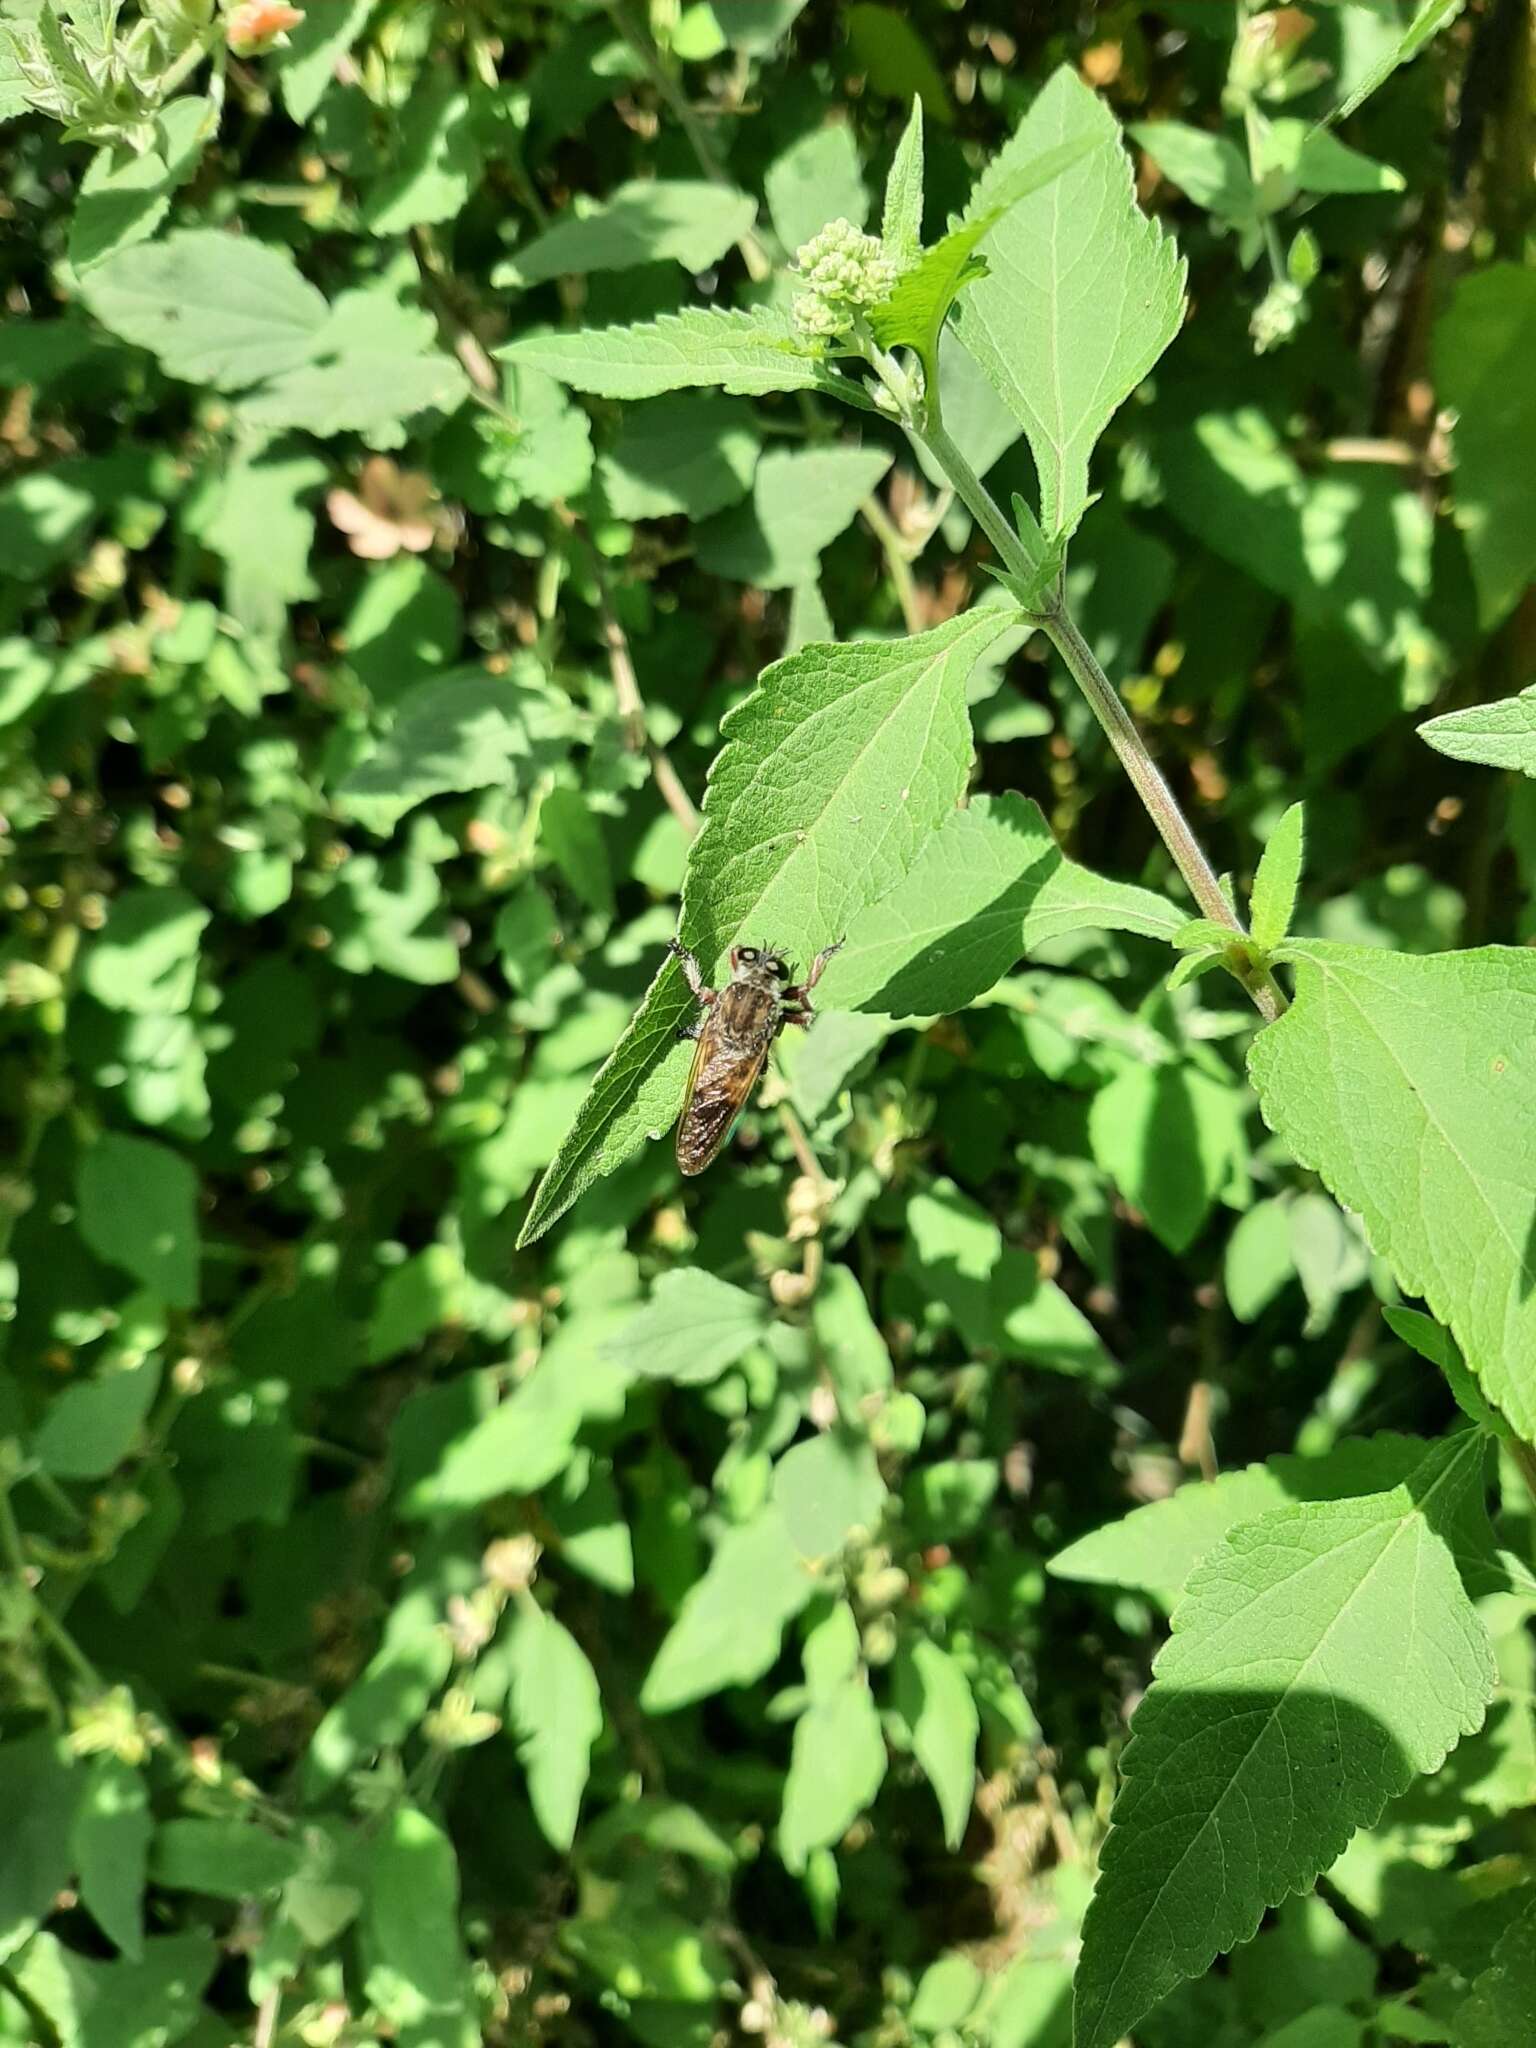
(1003, 1558)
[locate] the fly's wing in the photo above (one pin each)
(722, 1079)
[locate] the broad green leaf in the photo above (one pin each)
(732, 1620)
(1321, 1656)
(1083, 293)
(39, 1796)
(691, 1329)
(456, 732)
(1499, 735)
(745, 352)
(756, 26)
(144, 959)
(417, 1972)
(901, 226)
(255, 517)
(1313, 160)
(1330, 1253)
(684, 221)
(138, 1211)
(111, 1850)
(1427, 23)
(802, 499)
(688, 455)
(150, 2001)
(1439, 1347)
(388, 917)
(1155, 1548)
(946, 1996)
(850, 1345)
(918, 306)
(228, 1859)
(816, 180)
(837, 1758)
(834, 773)
(1277, 880)
(215, 308)
(1167, 1136)
(435, 163)
(1483, 345)
(1501, 2008)
(1203, 163)
(826, 1489)
(1402, 1081)
(897, 63)
(538, 447)
(556, 1715)
(989, 887)
(374, 362)
(933, 1697)
(1258, 1259)
(573, 839)
(92, 1426)
(124, 196)
(306, 61)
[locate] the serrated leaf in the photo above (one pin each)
(1432, 16)
(1498, 735)
(917, 307)
(1277, 880)
(1501, 2007)
(802, 499)
(901, 226)
(744, 352)
(732, 1620)
(556, 1715)
(1420, 1127)
(1083, 293)
(1483, 344)
(834, 772)
(989, 888)
(679, 220)
(816, 180)
(933, 1697)
(215, 308)
(1321, 1656)
(688, 455)
(691, 1329)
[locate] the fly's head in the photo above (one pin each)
(759, 967)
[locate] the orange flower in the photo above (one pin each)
(389, 511)
(255, 25)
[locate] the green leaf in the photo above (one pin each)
(138, 1210)
(306, 61)
(732, 1620)
(1082, 297)
(834, 772)
(435, 164)
(39, 1796)
(1501, 2008)
(124, 197)
(901, 227)
(896, 61)
(916, 309)
(111, 1850)
(1421, 1130)
(1427, 23)
(144, 959)
(745, 352)
(373, 362)
(658, 220)
(91, 1427)
(989, 888)
(1279, 875)
(816, 180)
(1167, 1136)
(542, 453)
(837, 1758)
(556, 1715)
(802, 499)
(215, 308)
(1439, 1347)
(690, 1330)
(388, 917)
(256, 520)
(688, 455)
(1312, 160)
(1499, 735)
(1258, 1260)
(1483, 344)
(946, 1996)
(418, 1974)
(1321, 1656)
(457, 732)
(1207, 166)
(227, 1859)
(933, 1697)
(826, 1490)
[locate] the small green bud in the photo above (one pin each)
(842, 271)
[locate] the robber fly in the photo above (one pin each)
(739, 1023)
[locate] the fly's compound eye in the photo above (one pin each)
(776, 968)
(746, 952)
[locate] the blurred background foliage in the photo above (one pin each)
(427, 1624)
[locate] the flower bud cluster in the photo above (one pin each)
(842, 271)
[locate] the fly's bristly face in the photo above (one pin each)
(760, 967)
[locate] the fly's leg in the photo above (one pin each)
(818, 966)
(698, 988)
(795, 1003)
